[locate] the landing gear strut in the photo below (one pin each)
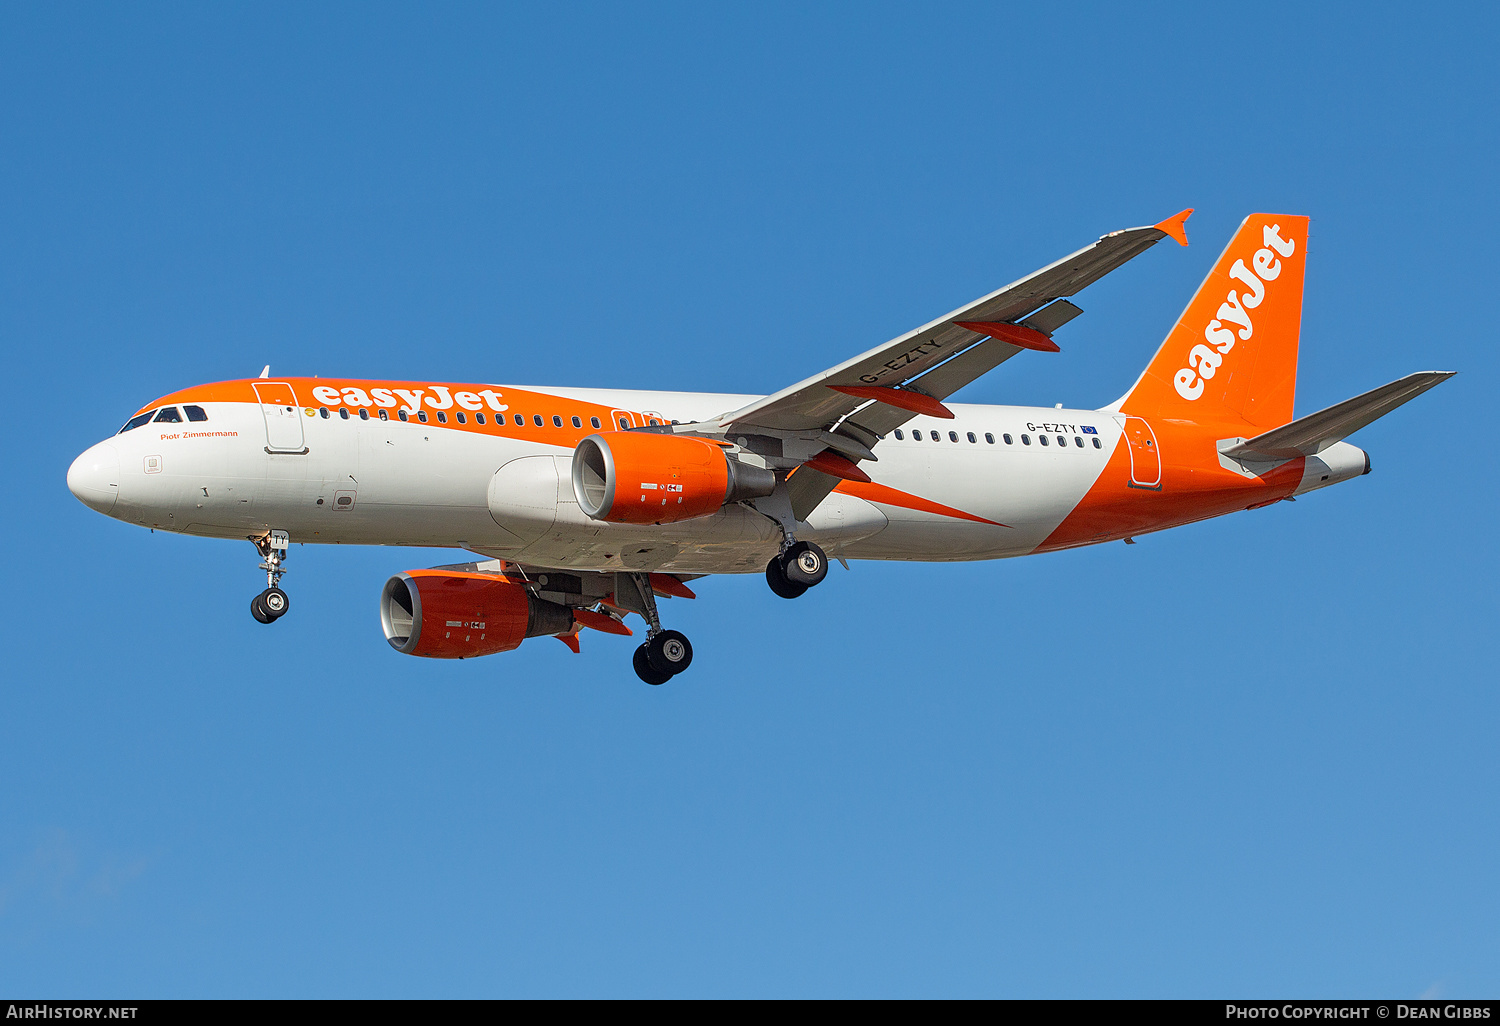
(800, 565)
(664, 654)
(803, 565)
(271, 604)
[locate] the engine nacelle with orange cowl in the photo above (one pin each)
(448, 614)
(640, 477)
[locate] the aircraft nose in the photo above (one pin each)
(94, 477)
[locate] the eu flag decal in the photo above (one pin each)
(1088, 430)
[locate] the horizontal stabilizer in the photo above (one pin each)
(1310, 435)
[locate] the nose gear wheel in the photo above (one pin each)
(271, 604)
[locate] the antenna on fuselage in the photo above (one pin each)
(266, 371)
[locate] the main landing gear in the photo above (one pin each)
(801, 566)
(271, 604)
(664, 654)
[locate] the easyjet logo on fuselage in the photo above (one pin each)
(1204, 360)
(411, 399)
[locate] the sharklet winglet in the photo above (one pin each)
(1176, 226)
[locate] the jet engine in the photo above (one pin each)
(448, 614)
(637, 477)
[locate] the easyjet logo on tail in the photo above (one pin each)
(1204, 360)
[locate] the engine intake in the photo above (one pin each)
(447, 614)
(637, 477)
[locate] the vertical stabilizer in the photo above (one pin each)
(1232, 356)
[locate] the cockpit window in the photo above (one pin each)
(169, 415)
(135, 422)
(195, 413)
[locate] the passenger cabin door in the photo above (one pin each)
(1145, 455)
(278, 405)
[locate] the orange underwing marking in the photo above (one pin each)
(901, 398)
(600, 622)
(834, 465)
(571, 640)
(666, 584)
(895, 497)
(1176, 226)
(1015, 334)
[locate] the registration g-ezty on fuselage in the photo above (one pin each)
(589, 504)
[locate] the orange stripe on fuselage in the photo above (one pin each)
(1194, 486)
(895, 497)
(356, 394)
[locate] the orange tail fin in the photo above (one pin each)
(1232, 356)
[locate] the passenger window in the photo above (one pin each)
(461, 418)
(1025, 439)
(169, 415)
(577, 423)
(556, 420)
(195, 414)
(972, 438)
(442, 418)
(384, 415)
(135, 422)
(478, 418)
(594, 423)
(899, 436)
(952, 436)
(402, 415)
(1007, 439)
(1042, 439)
(936, 437)
(1097, 445)
(916, 436)
(422, 416)
(1078, 441)
(536, 418)
(1062, 441)
(988, 437)
(322, 413)
(654, 422)
(343, 413)
(364, 414)
(520, 420)
(624, 424)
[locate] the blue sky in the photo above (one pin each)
(1254, 756)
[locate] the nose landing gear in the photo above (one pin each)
(271, 604)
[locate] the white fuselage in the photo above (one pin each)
(961, 492)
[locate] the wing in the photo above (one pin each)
(911, 358)
(848, 407)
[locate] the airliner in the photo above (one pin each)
(586, 505)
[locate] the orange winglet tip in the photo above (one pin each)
(666, 584)
(601, 622)
(1015, 334)
(901, 398)
(571, 640)
(1176, 226)
(834, 465)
